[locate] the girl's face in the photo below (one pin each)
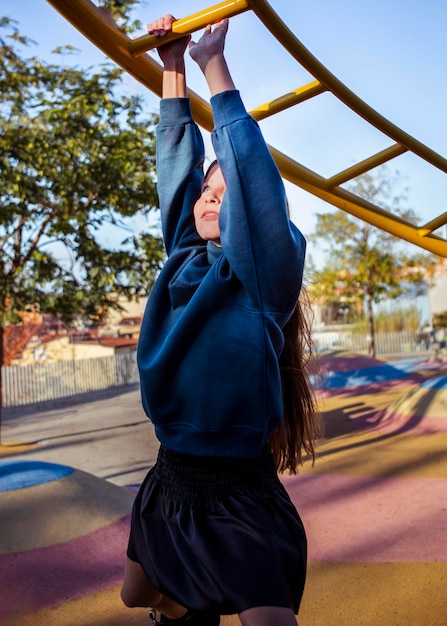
(207, 207)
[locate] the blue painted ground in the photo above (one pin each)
(20, 474)
(435, 383)
(363, 376)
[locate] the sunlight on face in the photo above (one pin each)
(207, 207)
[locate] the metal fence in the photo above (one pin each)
(386, 344)
(45, 382)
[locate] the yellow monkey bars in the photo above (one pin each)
(98, 26)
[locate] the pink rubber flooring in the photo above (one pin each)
(372, 520)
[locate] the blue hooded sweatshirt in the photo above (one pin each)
(212, 331)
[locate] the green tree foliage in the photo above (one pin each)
(120, 11)
(366, 265)
(76, 155)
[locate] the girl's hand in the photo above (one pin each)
(210, 45)
(169, 51)
(208, 53)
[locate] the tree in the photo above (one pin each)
(120, 11)
(366, 265)
(75, 156)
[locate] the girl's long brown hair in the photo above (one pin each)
(301, 425)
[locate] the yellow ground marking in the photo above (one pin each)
(347, 450)
(100, 609)
(368, 594)
(364, 594)
(16, 447)
(375, 454)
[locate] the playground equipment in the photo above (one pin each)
(97, 25)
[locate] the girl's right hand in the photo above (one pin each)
(174, 49)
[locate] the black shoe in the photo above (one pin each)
(191, 618)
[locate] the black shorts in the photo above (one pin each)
(219, 534)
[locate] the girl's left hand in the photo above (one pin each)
(211, 44)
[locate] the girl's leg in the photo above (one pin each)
(138, 591)
(268, 616)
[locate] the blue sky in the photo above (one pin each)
(391, 53)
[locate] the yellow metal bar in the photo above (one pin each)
(359, 207)
(365, 166)
(433, 225)
(285, 36)
(189, 25)
(98, 26)
(288, 100)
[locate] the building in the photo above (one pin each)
(438, 291)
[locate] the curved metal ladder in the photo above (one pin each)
(96, 25)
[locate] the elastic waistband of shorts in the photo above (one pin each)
(195, 476)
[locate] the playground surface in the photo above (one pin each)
(374, 505)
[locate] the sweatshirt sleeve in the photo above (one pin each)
(180, 154)
(264, 249)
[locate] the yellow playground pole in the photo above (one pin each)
(190, 24)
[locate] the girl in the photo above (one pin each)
(221, 358)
